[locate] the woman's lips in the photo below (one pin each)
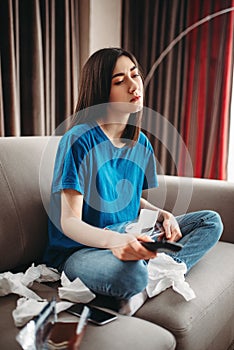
(135, 99)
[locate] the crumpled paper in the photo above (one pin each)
(165, 272)
(19, 283)
(28, 308)
(30, 304)
(75, 291)
(146, 220)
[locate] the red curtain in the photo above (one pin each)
(191, 85)
(209, 75)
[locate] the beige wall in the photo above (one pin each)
(105, 24)
(100, 25)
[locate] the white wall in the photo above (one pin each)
(100, 26)
(105, 24)
(231, 140)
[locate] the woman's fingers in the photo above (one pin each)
(172, 229)
(134, 250)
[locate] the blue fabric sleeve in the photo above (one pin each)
(69, 166)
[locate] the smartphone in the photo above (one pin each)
(163, 246)
(97, 316)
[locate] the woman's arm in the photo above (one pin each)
(171, 227)
(123, 246)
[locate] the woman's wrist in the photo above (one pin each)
(118, 240)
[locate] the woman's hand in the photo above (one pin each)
(170, 225)
(132, 249)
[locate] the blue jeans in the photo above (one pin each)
(105, 274)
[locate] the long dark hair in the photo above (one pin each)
(95, 85)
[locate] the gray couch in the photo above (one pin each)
(163, 322)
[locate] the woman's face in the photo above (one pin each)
(126, 84)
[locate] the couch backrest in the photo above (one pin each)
(26, 167)
(23, 220)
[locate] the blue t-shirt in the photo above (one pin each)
(111, 180)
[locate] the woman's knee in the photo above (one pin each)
(130, 279)
(215, 218)
(103, 273)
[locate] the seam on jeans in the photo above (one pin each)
(175, 255)
(199, 220)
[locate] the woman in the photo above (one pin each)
(103, 163)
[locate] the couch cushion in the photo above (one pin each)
(127, 333)
(124, 333)
(198, 322)
(23, 224)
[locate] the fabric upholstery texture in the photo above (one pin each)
(204, 323)
(205, 316)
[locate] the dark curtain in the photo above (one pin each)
(188, 66)
(39, 65)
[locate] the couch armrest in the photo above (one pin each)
(181, 194)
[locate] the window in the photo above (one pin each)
(231, 140)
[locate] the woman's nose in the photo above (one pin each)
(132, 86)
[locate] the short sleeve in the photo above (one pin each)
(69, 166)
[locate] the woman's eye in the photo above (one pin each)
(118, 82)
(136, 75)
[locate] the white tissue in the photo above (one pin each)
(12, 283)
(31, 304)
(165, 272)
(28, 308)
(18, 283)
(47, 274)
(75, 291)
(147, 219)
